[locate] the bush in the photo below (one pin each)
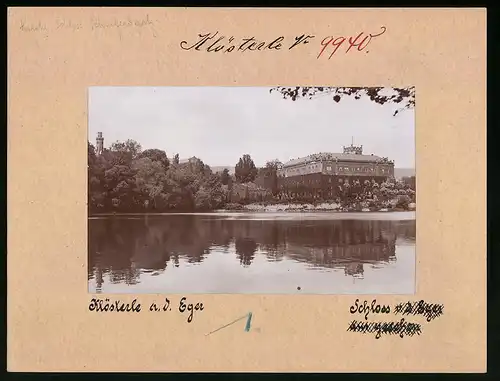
(403, 201)
(233, 206)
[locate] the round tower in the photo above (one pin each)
(99, 143)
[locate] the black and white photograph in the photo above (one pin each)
(251, 190)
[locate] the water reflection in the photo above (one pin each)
(123, 248)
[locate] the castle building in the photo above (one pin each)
(321, 174)
(99, 143)
(191, 160)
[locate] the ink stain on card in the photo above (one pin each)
(249, 322)
(248, 316)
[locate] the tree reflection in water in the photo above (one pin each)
(125, 247)
(245, 250)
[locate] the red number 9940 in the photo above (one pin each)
(360, 42)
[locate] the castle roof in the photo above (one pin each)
(326, 156)
(186, 161)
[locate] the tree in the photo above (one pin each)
(271, 175)
(403, 201)
(119, 182)
(125, 152)
(225, 176)
(245, 170)
(409, 181)
(176, 159)
(210, 194)
(129, 145)
(95, 195)
(92, 158)
(156, 155)
(149, 180)
(405, 97)
(274, 164)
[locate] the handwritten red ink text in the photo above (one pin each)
(359, 42)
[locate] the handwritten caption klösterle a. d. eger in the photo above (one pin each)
(166, 305)
(215, 42)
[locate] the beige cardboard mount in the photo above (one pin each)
(55, 54)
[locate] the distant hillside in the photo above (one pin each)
(404, 172)
(221, 168)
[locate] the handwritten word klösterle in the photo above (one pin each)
(106, 305)
(229, 44)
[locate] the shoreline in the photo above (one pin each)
(322, 207)
(271, 208)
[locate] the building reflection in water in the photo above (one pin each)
(124, 247)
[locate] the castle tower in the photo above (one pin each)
(99, 143)
(355, 150)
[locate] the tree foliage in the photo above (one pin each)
(156, 155)
(125, 179)
(225, 176)
(271, 175)
(245, 170)
(274, 164)
(404, 97)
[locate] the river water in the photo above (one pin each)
(253, 253)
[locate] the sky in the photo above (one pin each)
(220, 124)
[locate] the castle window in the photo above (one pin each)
(328, 168)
